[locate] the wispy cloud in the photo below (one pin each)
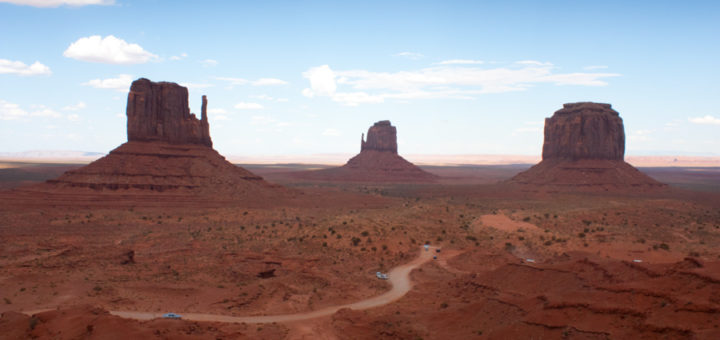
(57, 3)
(20, 68)
(232, 81)
(331, 132)
(76, 107)
(707, 120)
(269, 82)
(197, 85)
(595, 67)
(209, 62)
(108, 50)
(354, 87)
(248, 106)
(121, 83)
(12, 111)
(409, 55)
(179, 57)
(461, 62)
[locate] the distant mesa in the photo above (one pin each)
(168, 150)
(378, 161)
(585, 147)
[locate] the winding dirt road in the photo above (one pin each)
(398, 277)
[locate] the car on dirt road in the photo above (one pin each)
(172, 316)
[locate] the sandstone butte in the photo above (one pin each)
(168, 150)
(378, 161)
(584, 147)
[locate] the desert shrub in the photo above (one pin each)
(526, 219)
(355, 241)
(471, 238)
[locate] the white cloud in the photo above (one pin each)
(461, 62)
(261, 97)
(43, 111)
(233, 81)
(268, 82)
(73, 117)
(108, 50)
(248, 106)
(707, 120)
(196, 85)
(76, 107)
(121, 83)
(322, 81)
(331, 132)
(20, 68)
(409, 55)
(10, 111)
(181, 56)
(57, 3)
(282, 100)
(355, 87)
(209, 62)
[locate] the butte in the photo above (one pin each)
(378, 161)
(584, 148)
(169, 153)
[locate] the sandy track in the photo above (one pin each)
(398, 277)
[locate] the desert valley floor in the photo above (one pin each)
(514, 262)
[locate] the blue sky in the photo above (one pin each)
(308, 77)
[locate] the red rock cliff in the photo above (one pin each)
(160, 112)
(584, 131)
(380, 137)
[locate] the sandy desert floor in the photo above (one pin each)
(514, 262)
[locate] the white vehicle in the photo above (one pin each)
(381, 276)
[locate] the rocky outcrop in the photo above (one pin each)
(378, 161)
(382, 136)
(584, 131)
(584, 148)
(168, 150)
(159, 112)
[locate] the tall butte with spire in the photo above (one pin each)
(378, 161)
(584, 147)
(168, 150)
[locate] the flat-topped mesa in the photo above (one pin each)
(584, 130)
(380, 137)
(159, 112)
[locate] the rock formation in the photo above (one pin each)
(584, 146)
(168, 150)
(380, 137)
(378, 161)
(159, 112)
(584, 131)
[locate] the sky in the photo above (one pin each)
(308, 77)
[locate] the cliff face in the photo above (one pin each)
(584, 149)
(159, 112)
(380, 137)
(584, 131)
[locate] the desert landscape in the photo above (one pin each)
(525, 170)
(581, 246)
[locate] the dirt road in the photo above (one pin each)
(398, 277)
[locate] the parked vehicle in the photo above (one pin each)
(381, 276)
(172, 316)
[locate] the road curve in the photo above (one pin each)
(398, 277)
